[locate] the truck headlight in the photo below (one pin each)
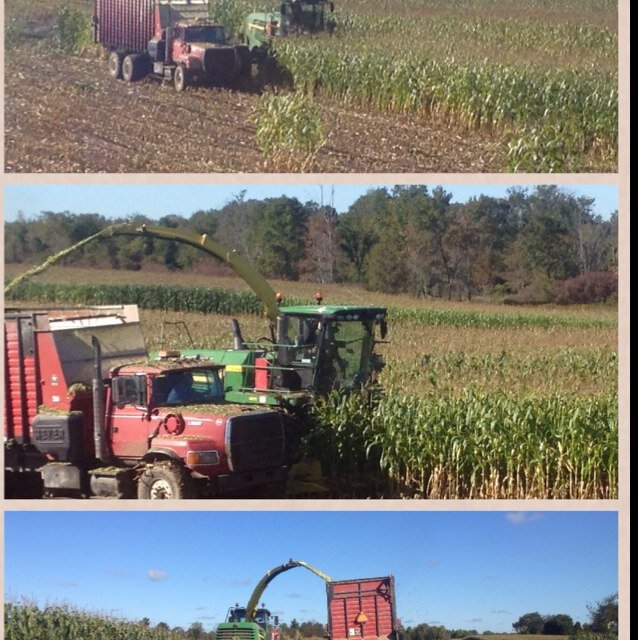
(201, 458)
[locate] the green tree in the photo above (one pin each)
(603, 615)
(531, 623)
(550, 234)
(358, 231)
(16, 240)
(279, 232)
(558, 625)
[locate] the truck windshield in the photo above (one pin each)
(187, 387)
(212, 34)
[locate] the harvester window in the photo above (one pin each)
(343, 363)
(187, 387)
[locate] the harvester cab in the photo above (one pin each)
(326, 348)
(263, 625)
(308, 16)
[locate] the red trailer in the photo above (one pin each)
(362, 608)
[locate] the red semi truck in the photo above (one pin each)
(158, 429)
(172, 39)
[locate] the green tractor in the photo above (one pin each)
(252, 623)
(294, 17)
(263, 626)
(310, 350)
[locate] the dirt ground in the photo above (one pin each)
(66, 115)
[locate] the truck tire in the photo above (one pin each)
(115, 65)
(180, 79)
(134, 67)
(164, 481)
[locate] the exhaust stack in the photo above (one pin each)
(101, 451)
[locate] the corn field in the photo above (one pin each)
(229, 301)
(546, 85)
(30, 622)
(473, 445)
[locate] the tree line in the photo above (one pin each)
(540, 244)
(603, 621)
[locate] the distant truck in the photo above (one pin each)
(171, 39)
(155, 429)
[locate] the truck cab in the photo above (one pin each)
(161, 428)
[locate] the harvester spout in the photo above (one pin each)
(251, 607)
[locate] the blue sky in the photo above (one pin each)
(159, 200)
(469, 569)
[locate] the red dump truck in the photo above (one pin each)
(363, 608)
(172, 39)
(88, 413)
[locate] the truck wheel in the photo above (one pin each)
(134, 67)
(115, 65)
(180, 78)
(163, 481)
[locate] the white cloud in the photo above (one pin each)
(155, 575)
(523, 517)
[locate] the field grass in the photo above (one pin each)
(541, 77)
(521, 405)
(30, 622)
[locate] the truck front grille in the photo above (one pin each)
(256, 441)
(220, 64)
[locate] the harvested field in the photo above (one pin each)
(84, 122)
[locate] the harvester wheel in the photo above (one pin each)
(181, 78)
(115, 65)
(163, 481)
